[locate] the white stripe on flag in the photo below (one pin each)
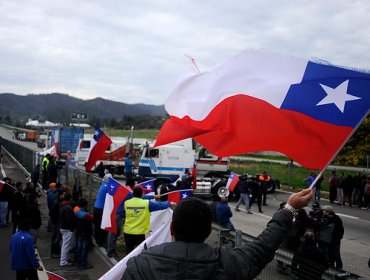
(107, 211)
(158, 237)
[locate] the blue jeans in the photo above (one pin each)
(82, 250)
(3, 212)
(112, 238)
(244, 197)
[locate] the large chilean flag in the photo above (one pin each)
(114, 197)
(261, 101)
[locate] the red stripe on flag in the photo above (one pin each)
(226, 131)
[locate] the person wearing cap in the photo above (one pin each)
(337, 235)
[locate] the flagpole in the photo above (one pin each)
(193, 62)
(339, 149)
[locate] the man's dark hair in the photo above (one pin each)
(130, 182)
(67, 196)
(137, 192)
(24, 224)
(192, 220)
(82, 202)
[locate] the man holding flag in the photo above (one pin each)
(114, 214)
(137, 222)
(188, 257)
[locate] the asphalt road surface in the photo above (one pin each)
(355, 248)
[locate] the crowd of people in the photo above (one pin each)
(315, 240)
(350, 190)
(344, 190)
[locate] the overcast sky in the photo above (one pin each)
(133, 51)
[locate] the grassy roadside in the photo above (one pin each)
(291, 176)
(144, 133)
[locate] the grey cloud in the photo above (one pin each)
(134, 50)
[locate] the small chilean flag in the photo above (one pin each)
(232, 181)
(99, 145)
(177, 196)
(114, 197)
(147, 186)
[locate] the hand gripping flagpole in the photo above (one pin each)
(340, 148)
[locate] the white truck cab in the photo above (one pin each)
(168, 162)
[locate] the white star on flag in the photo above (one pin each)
(184, 195)
(338, 96)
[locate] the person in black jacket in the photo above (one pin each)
(256, 194)
(188, 257)
(19, 205)
(54, 214)
(33, 215)
(30, 189)
(67, 226)
(83, 233)
(338, 232)
(52, 170)
(35, 175)
(309, 262)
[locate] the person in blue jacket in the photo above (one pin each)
(128, 167)
(22, 253)
(223, 213)
(100, 235)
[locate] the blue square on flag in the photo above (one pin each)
(330, 94)
(113, 185)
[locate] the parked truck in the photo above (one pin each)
(112, 159)
(166, 163)
(66, 139)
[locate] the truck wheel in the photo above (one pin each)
(217, 185)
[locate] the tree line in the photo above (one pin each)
(356, 152)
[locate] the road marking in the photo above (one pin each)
(2, 170)
(255, 213)
(348, 216)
